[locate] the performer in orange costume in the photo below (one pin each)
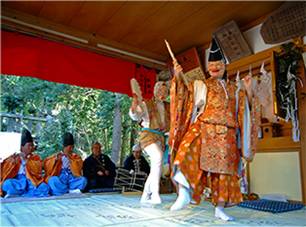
(219, 120)
(21, 173)
(63, 171)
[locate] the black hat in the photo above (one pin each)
(68, 139)
(215, 52)
(26, 137)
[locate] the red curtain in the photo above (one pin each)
(24, 55)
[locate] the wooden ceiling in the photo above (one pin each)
(136, 27)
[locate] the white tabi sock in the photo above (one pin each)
(155, 199)
(219, 213)
(182, 200)
(75, 191)
(146, 197)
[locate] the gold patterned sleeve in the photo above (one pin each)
(181, 100)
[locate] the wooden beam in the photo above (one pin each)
(36, 23)
(278, 144)
(254, 23)
(19, 116)
(255, 58)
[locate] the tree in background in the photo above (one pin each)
(87, 113)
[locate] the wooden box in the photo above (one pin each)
(189, 60)
(191, 64)
(271, 130)
(232, 42)
(286, 129)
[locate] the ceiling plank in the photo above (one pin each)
(157, 25)
(60, 12)
(197, 26)
(127, 18)
(32, 7)
(94, 15)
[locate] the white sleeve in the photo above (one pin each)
(200, 93)
(137, 115)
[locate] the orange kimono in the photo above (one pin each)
(210, 142)
(53, 165)
(11, 165)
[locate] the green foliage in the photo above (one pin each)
(85, 112)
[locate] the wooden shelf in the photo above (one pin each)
(277, 144)
(254, 61)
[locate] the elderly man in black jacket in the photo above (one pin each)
(136, 162)
(98, 168)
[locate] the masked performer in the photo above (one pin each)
(153, 115)
(210, 122)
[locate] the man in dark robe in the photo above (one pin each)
(99, 170)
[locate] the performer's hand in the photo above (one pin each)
(177, 68)
(58, 156)
(15, 156)
(135, 103)
(106, 172)
(22, 155)
(100, 173)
